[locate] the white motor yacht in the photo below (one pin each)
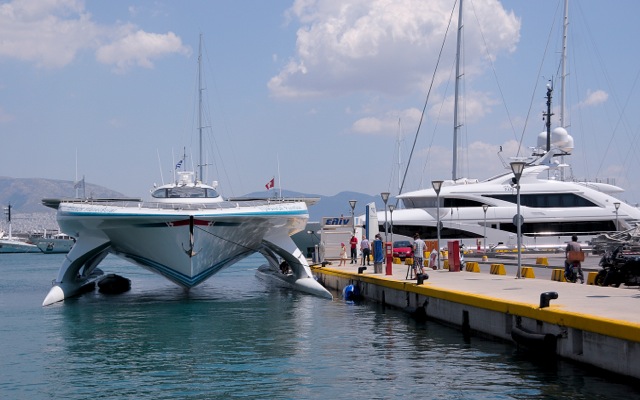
(483, 214)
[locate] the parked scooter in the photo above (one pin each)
(618, 269)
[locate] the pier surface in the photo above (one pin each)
(595, 325)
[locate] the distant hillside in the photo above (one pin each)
(25, 197)
(333, 206)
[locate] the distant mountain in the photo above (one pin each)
(25, 194)
(332, 206)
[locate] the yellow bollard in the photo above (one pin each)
(472, 266)
(527, 272)
(498, 269)
(408, 261)
(591, 278)
(542, 261)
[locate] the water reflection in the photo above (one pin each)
(234, 337)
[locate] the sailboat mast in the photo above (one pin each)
(200, 165)
(399, 160)
(565, 29)
(456, 126)
(565, 34)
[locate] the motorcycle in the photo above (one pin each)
(618, 269)
(572, 266)
(573, 271)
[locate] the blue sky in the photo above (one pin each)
(316, 93)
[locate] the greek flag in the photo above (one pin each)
(179, 164)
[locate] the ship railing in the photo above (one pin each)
(170, 205)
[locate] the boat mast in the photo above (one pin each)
(565, 29)
(200, 176)
(456, 126)
(399, 155)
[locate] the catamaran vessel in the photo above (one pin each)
(187, 233)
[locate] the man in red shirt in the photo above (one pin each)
(354, 249)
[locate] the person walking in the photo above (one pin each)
(354, 249)
(343, 255)
(366, 250)
(378, 254)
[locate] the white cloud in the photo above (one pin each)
(594, 98)
(476, 106)
(387, 46)
(387, 124)
(51, 33)
(48, 33)
(139, 48)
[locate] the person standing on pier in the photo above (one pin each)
(418, 254)
(343, 255)
(378, 254)
(354, 249)
(366, 250)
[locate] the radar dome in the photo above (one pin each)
(559, 136)
(542, 140)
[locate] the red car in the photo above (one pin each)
(402, 249)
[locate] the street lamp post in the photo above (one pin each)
(391, 208)
(352, 203)
(517, 167)
(484, 208)
(385, 198)
(617, 205)
(437, 185)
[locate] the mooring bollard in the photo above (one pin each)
(546, 297)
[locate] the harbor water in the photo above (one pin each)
(236, 337)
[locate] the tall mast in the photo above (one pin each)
(456, 126)
(565, 28)
(399, 161)
(565, 34)
(200, 165)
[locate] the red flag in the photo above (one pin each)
(270, 184)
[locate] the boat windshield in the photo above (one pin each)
(184, 192)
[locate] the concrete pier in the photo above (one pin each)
(599, 326)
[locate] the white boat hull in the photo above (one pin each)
(289, 281)
(186, 246)
(17, 246)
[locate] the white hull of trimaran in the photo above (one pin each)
(186, 246)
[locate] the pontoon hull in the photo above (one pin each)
(185, 246)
